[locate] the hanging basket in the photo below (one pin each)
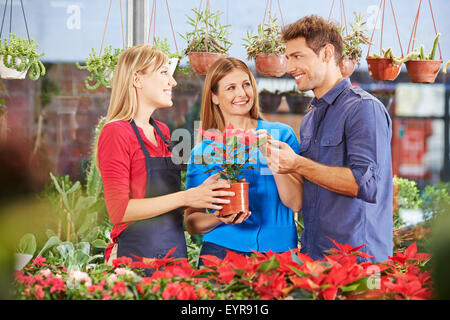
(201, 61)
(382, 69)
(10, 73)
(347, 66)
(271, 65)
(423, 71)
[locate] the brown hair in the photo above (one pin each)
(317, 32)
(210, 115)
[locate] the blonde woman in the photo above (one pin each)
(230, 96)
(141, 183)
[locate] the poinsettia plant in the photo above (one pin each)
(234, 150)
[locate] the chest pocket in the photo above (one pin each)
(332, 150)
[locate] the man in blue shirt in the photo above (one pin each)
(345, 153)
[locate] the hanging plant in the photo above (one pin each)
(208, 41)
(384, 66)
(174, 57)
(353, 43)
(447, 64)
(267, 49)
(101, 67)
(17, 56)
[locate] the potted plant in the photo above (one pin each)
(297, 100)
(207, 42)
(174, 57)
(423, 68)
(352, 48)
(233, 150)
(25, 250)
(267, 49)
(18, 56)
(101, 67)
(385, 67)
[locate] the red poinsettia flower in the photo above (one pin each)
(346, 250)
(410, 255)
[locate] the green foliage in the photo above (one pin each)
(21, 54)
(268, 40)
(357, 38)
(101, 67)
(208, 34)
(94, 185)
(164, 46)
(435, 201)
(27, 244)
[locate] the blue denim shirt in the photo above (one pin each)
(348, 127)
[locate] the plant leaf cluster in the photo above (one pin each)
(209, 35)
(21, 54)
(356, 38)
(101, 67)
(267, 40)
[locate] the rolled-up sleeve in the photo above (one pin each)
(366, 131)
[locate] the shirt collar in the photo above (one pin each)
(332, 94)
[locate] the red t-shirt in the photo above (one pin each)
(123, 171)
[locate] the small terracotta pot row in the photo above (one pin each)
(268, 65)
(419, 71)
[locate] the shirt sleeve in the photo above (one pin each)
(114, 161)
(367, 133)
(195, 174)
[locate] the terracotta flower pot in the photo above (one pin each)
(237, 203)
(383, 68)
(201, 61)
(347, 66)
(271, 65)
(423, 71)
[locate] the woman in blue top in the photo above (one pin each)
(230, 97)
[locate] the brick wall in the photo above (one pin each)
(71, 116)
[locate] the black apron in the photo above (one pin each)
(154, 237)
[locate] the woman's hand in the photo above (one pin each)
(206, 196)
(262, 135)
(234, 218)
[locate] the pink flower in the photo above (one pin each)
(106, 297)
(119, 287)
(39, 261)
(122, 271)
(171, 290)
(46, 272)
(80, 277)
(39, 292)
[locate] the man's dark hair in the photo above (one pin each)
(317, 32)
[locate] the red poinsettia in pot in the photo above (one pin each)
(208, 42)
(233, 152)
(267, 49)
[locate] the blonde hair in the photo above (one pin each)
(123, 102)
(210, 115)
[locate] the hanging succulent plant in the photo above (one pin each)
(101, 67)
(20, 55)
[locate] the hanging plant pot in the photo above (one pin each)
(347, 66)
(383, 68)
(10, 73)
(423, 71)
(239, 202)
(201, 61)
(108, 76)
(271, 65)
(21, 260)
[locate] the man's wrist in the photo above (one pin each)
(298, 164)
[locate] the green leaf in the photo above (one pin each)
(99, 243)
(65, 249)
(27, 244)
(51, 242)
(269, 265)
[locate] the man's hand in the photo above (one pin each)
(281, 159)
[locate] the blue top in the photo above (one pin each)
(271, 225)
(348, 127)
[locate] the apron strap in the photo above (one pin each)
(143, 147)
(158, 130)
